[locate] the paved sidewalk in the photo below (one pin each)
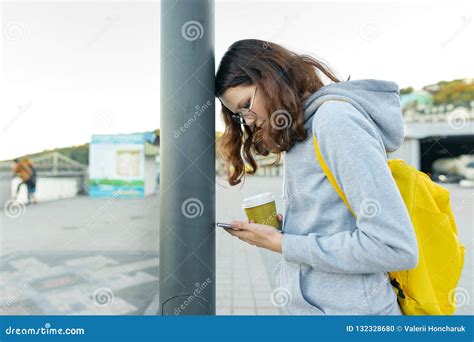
(244, 272)
(243, 284)
(87, 256)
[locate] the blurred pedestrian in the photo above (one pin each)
(27, 173)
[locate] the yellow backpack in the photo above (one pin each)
(429, 288)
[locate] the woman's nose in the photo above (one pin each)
(250, 118)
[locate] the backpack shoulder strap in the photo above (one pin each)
(329, 175)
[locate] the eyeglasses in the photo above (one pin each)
(245, 113)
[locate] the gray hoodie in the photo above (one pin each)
(333, 263)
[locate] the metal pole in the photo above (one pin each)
(187, 168)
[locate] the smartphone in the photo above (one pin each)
(223, 225)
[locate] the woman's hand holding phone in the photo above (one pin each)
(259, 235)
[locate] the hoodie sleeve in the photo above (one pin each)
(383, 238)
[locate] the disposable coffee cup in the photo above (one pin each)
(262, 209)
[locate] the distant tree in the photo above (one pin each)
(80, 154)
(457, 92)
(404, 91)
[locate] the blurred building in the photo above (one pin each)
(416, 99)
(123, 165)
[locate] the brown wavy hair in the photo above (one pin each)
(282, 77)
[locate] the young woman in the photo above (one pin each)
(274, 101)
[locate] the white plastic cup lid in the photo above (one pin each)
(257, 200)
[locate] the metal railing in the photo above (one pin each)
(53, 164)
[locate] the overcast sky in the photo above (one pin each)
(74, 68)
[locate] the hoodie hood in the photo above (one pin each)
(377, 100)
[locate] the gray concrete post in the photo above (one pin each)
(187, 168)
